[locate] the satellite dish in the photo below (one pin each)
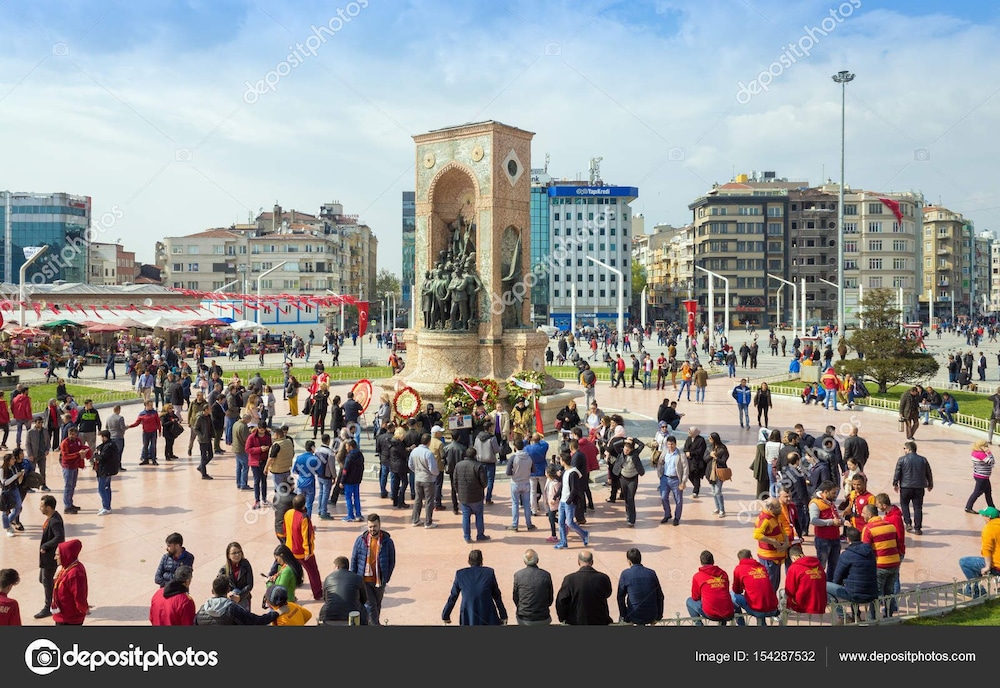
(147, 303)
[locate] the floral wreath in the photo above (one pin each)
(514, 392)
(407, 402)
(457, 398)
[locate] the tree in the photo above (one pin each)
(885, 356)
(387, 283)
(638, 284)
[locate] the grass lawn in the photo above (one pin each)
(274, 376)
(969, 403)
(986, 614)
(40, 394)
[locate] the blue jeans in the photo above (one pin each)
(259, 483)
(242, 470)
(230, 422)
(70, 476)
(831, 395)
(740, 601)
(468, 510)
(888, 579)
(973, 567)
(383, 478)
(828, 553)
(699, 393)
(671, 486)
(520, 495)
(744, 410)
(352, 495)
(325, 486)
(148, 446)
(838, 593)
(685, 384)
(567, 512)
(732, 369)
(695, 611)
(491, 474)
(280, 482)
(946, 415)
(309, 492)
(647, 379)
(14, 513)
(720, 503)
(104, 489)
(773, 572)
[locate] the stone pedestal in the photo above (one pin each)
(435, 358)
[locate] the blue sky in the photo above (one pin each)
(150, 107)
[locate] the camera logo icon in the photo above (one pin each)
(60, 49)
(676, 154)
(921, 155)
(553, 49)
(183, 155)
(42, 657)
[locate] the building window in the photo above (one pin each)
(874, 264)
(555, 278)
(898, 282)
(850, 209)
(875, 282)
(875, 227)
(774, 211)
(555, 216)
(603, 292)
(874, 208)
(192, 250)
(579, 262)
(896, 228)
(850, 247)
(218, 250)
(555, 293)
(192, 285)
(192, 267)
(579, 293)
(176, 249)
(850, 228)
(178, 267)
(774, 229)
(875, 245)
(901, 245)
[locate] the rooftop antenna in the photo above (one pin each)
(546, 163)
(595, 170)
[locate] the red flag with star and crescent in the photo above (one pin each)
(894, 207)
(362, 318)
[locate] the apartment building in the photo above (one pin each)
(111, 264)
(668, 258)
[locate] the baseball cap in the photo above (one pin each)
(990, 512)
(277, 595)
(437, 428)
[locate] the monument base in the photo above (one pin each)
(434, 358)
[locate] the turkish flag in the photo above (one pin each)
(539, 427)
(894, 207)
(362, 317)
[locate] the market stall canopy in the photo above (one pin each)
(130, 323)
(62, 322)
(210, 322)
(243, 325)
(103, 327)
(27, 332)
(160, 321)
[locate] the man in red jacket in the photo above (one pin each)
(21, 406)
(710, 598)
(150, 421)
(73, 455)
(752, 590)
(805, 584)
(172, 605)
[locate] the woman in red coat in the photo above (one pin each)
(257, 447)
(69, 591)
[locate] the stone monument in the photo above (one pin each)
(472, 258)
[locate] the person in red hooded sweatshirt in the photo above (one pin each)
(752, 589)
(710, 598)
(21, 406)
(805, 584)
(172, 605)
(69, 591)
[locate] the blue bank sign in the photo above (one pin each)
(595, 191)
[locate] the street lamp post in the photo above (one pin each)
(711, 302)
(621, 295)
(843, 78)
(222, 289)
(23, 275)
(643, 307)
(257, 312)
(795, 301)
(340, 306)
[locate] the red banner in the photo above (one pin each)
(894, 207)
(362, 317)
(692, 309)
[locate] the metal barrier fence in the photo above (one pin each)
(963, 419)
(921, 601)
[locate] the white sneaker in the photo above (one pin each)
(103, 512)
(10, 532)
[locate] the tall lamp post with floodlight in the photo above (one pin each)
(31, 254)
(843, 78)
(621, 295)
(257, 312)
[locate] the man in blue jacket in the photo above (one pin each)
(640, 597)
(743, 395)
(481, 603)
(374, 558)
(856, 577)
